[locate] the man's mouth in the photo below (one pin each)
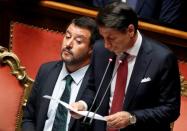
(65, 51)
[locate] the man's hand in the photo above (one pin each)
(79, 106)
(118, 120)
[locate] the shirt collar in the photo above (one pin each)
(77, 75)
(135, 49)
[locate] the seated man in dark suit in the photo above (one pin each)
(65, 80)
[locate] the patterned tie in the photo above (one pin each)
(119, 93)
(61, 113)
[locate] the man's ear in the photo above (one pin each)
(131, 30)
(90, 51)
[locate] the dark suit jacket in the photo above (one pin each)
(155, 103)
(35, 113)
(167, 11)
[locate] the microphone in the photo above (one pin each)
(122, 56)
(109, 62)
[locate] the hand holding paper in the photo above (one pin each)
(82, 113)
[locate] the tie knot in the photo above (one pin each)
(123, 57)
(68, 79)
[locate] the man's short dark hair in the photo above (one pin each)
(90, 24)
(117, 15)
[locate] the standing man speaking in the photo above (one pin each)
(144, 94)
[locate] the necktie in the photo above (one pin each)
(119, 93)
(132, 3)
(61, 113)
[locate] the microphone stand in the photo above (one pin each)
(102, 99)
(87, 124)
(121, 58)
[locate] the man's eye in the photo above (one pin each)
(67, 36)
(78, 41)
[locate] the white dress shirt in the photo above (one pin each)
(133, 52)
(59, 89)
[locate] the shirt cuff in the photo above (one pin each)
(84, 104)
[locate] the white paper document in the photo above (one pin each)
(83, 113)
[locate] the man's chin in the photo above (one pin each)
(67, 57)
(117, 52)
(68, 61)
(114, 51)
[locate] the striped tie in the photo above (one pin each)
(61, 113)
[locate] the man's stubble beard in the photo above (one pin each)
(73, 61)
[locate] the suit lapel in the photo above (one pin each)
(142, 63)
(80, 93)
(83, 85)
(50, 82)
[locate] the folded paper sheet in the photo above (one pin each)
(83, 113)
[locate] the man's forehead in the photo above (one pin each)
(106, 31)
(109, 31)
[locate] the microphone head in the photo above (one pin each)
(110, 59)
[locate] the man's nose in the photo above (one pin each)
(69, 43)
